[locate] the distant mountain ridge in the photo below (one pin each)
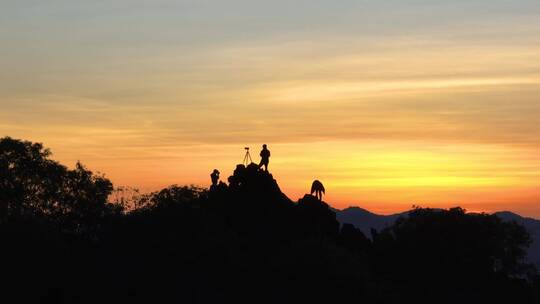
(366, 220)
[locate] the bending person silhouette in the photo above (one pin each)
(265, 158)
(215, 177)
(317, 188)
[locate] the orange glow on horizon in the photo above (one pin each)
(382, 176)
(388, 105)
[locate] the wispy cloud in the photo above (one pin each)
(389, 102)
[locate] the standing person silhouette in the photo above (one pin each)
(215, 177)
(265, 158)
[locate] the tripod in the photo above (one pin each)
(247, 158)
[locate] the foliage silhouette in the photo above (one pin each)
(34, 186)
(246, 241)
(452, 253)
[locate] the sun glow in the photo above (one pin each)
(389, 107)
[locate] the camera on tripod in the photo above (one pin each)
(247, 157)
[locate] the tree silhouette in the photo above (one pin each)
(33, 185)
(450, 252)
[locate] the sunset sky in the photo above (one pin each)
(389, 103)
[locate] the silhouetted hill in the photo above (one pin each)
(366, 220)
(63, 241)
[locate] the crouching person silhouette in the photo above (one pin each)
(317, 188)
(265, 158)
(215, 177)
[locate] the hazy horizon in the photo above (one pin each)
(389, 104)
